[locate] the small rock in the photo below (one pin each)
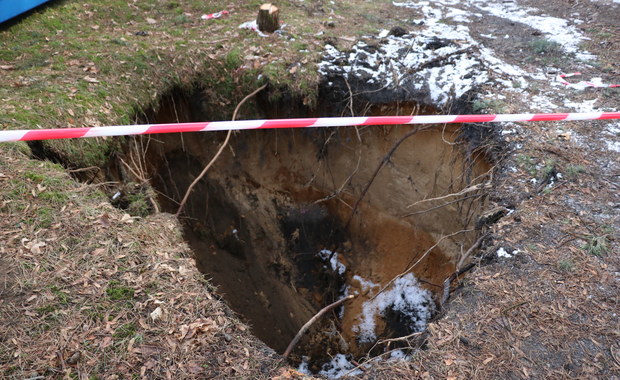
(227, 337)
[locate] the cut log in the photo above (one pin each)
(268, 18)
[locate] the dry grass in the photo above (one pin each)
(89, 292)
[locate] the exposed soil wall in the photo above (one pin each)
(275, 199)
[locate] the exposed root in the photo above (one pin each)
(219, 152)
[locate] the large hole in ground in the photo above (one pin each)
(288, 221)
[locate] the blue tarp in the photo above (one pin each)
(12, 8)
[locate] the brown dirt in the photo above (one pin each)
(268, 189)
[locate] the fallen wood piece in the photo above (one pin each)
(305, 327)
(268, 18)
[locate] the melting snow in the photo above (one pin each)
(337, 266)
(365, 284)
(338, 367)
(406, 297)
(555, 29)
(501, 252)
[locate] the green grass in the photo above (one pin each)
(494, 105)
(566, 265)
(126, 331)
(63, 298)
(545, 46)
(45, 217)
(527, 163)
(117, 292)
(573, 171)
(597, 245)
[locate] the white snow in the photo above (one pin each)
(338, 367)
(304, 367)
(555, 29)
(404, 296)
(399, 355)
(501, 252)
(337, 266)
(613, 146)
(365, 284)
(582, 106)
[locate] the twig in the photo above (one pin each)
(97, 168)
(305, 327)
(459, 271)
(385, 159)
(390, 340)
(469, 252)
(348, 180)
(613, 355)
(506, 310)
(479, 186)
(204, 171)
(441, 205)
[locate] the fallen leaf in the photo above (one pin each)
(7, 67)
(156, 314)
(107, 341)
(151, 20)
(36, 247)
(91, 79)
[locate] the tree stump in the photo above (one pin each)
(268, 18)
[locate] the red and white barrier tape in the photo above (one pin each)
(583, 84)
(124, 130)
(211, 16)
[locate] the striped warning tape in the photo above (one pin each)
(583, 84)
(124, 130)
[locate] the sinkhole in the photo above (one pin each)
(288, 221)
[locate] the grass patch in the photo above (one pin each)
(527, 163)
(62, 297)
(117, 292)
(494, 105)
(597, 245)
(545, 46)
(126, 331)
(566, 265)
(55, 197)
(573, 171)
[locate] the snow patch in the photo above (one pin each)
(365, 284)
(405, 297)
(337, 266)
(338, 367)
(555, 29)
(501, 252)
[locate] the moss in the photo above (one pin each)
(117, 292)
(126, 331)
(54, 197)
(45, 217)
(63, 298)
